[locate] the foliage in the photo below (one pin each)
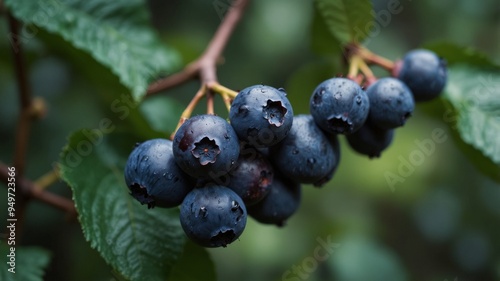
(137, 242)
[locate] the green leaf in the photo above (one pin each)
(348, 20)
(139, 243)
(379, 262)
(304, 80)
(475, 96)
(116, 33)
(161, 112)
(455, 54)
(322, 40)
(195, 264)
(30, 263)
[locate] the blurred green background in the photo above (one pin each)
(440, 223)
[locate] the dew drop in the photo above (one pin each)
(203, 212)
(358, 99)
(234, 206)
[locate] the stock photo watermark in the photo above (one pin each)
(302, 271)
(10, 237)
(381, 19)
(408, 164)
(93, 137)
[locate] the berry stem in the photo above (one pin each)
(210, 102)
(369, 76)
(189, 108)
(204, 68)
(48, 179)
(372, 58)
(353, 67)
(227, 100)
(218, 88)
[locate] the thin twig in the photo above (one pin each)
(205, 66)
(32, 190)
(48, 179)
(25, 116)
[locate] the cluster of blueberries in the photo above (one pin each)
(218, 172)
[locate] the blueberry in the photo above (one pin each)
(391, 103)
(339, 106)
(306, 155)
(206, 146)
(370, 140)
(280, 204)
(153, 177)
(213, 216)
(252, 177)
(424, 73)
(261, 115)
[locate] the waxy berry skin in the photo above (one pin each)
(306, 155)
(280, 204)
(370, 140)
(391, 103)
(339, 106)
(261, 115)
(206, 147)
(424, 73)
(252, 177)
(213, 216)
(153, 176)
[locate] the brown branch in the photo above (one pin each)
(205, 66)
(30, 189)
(25, 102)
(24, 120)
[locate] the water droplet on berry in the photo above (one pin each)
(295, 151)
(234, 206)
(203, 212)
(358, 99)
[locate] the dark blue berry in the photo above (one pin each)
(306, 155)
(206, 146)
(213, 216)
(261, 115)
(153, 177)
(280, 204)
(424, 73)
(370, 140)
(252, 177)
(391, 103)
(339, 106)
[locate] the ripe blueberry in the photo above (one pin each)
(306, 155)
(213, 216)
(391, 103)
(280, 204)
(370, 140)
(424, 73)
(339, 106)
(261, 115)
(153, 177)
(252, 177)
(206, 146)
